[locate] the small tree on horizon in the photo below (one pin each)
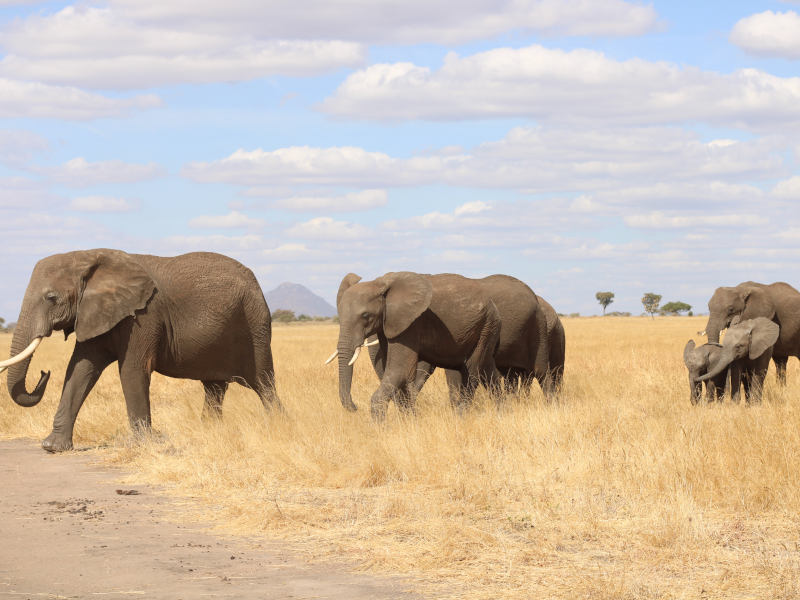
(675, 308)
(604, 298)
(650, 301)
(283, 315)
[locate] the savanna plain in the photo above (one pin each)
(619, 489)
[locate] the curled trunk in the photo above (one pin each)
(17, 373)
(723, 362)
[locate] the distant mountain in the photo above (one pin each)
(300, 299)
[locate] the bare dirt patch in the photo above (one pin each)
(67, 530)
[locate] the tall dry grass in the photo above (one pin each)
(621, 489)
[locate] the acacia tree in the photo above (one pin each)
(675, 308)
(604, 298)
(650, 301)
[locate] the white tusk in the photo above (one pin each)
(355, 356)
(334, 355)
(701, 332)
(21, 356)
(366, 344)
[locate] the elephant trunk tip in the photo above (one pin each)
(32, 399)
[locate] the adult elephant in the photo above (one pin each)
(445, 320)
(779, 302)
(531, 344)
(196, 316)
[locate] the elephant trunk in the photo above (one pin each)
(346, 350)
(22, 339)
(714, 327)
(725, 359)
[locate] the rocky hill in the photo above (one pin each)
(301, 300)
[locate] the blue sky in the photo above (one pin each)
(580, 146)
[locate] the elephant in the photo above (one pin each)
(778, 302)
(195, 316)
(697, 360)
(532, 344)
(445, 320)
(746, 351)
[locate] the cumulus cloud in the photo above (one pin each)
(769, 34)
(354, 201)
(326, 228)
(232, 220)
(559, 85)
(788, 189)
(661, 220)
(399, 21)
(28, 99)
(101, 204)
(291, 252)
(79, 172)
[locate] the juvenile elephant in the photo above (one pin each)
(445, 320)
(778, 302)
(196, 316)
(746, 350)
(697, 361)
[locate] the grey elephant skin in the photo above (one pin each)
(446, 321)
(779, 302)
(698, 360)
(196, 316)
(532, 344)
(746, 351)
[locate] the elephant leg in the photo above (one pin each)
(711, 391)
(455, 387)
(83, 371)
(480, 365)
(423, 373)
(401, 364)
(135, 379)
(214, 394)
(262, 381)
(780, 368)
(736, 382)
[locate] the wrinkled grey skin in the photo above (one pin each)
(746, 351)
(446, 321)
(196, 316)
(779, 302)
(697, 361)
(532, 344)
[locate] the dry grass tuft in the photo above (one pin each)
(621, 489)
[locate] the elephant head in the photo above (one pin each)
(697, 361)
(730, 305)
(746, 340)
(385, 306)
(87, 292)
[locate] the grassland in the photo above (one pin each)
(620, 490)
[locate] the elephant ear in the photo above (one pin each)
(762, 337)
(112, 286)
(687, 352)
(349, 280)
(757, 303)
(408, 295)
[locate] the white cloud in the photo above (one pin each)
(355, 201)
(18, 147)
(79, 172)
(103, 49)
(291, 252)
(101, 204)
(788, 189)
(23, 193)
(769, 34)
(661, 220)
(471, 208)
(26, 99)
(218, 243)
(575, 85)
(398, 21)
(326, 228)
(232, 220)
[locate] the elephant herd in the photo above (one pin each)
(203, 316)
(762, 322)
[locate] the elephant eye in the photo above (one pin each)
(51, 296)
(365, 315)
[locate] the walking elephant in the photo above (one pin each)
(531, 344)
(778, 302)
(446, 321)
(698, 359)
(746, 350)
(196, 316)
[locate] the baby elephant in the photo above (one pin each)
(697, 360)
(746, 351)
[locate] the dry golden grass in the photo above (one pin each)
(621, 489)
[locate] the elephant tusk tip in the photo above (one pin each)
(372, 343)
(331, 357)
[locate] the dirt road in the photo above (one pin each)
(66, 532)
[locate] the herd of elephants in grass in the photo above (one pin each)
(203, 316)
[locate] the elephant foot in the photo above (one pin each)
(57, 443)
(350, 406)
